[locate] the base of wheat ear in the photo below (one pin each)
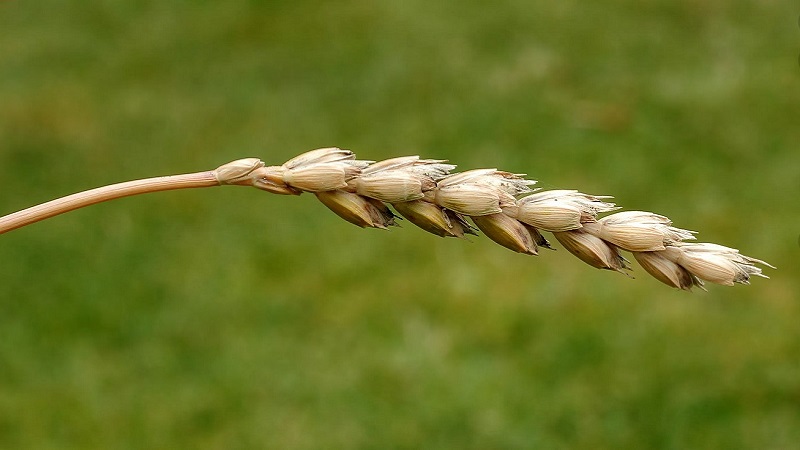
(500, 204)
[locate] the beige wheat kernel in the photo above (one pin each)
(639, 231)
(510, 233)
(592, 250)
(358, 210)
(561, 210)
(433, 219)
(480, 192)
(667, 271)
(715, 263)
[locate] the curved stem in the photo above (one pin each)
(105, 193)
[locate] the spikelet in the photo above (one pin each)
(320, 170)
(472, 199)
(433, 219)
(400, 179)
(319, 177)
(252, 172)
(239, 171)
(639, 231)
(358, 210)
(561, 210)
(715, 263)
(549, 215)
(480, 192)
(391, 186)
(592, 250)
(510, 233)
(667, 271)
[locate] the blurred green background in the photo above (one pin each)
(231, 318)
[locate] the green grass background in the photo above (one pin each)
(231, 318)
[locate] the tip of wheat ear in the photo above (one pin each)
(508, 211)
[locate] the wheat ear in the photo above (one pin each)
(502, 205)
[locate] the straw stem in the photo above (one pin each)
(86, 198)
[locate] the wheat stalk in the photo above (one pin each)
(501, 204)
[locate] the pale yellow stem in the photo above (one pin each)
(105, 193)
